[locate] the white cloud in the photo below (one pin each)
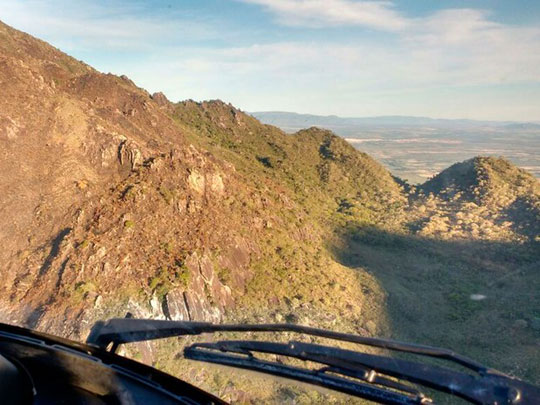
(449, 47)
(320, 13)
(80, 26)
(438, 68)
(473, 52)
(463, 46)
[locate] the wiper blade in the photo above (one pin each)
(316, 377)
(302, 351)
(335, 361)
(485, 389)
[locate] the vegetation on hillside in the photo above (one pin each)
(198, 211)
(457, 258)
(484, 198)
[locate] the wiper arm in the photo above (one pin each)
(128, 330)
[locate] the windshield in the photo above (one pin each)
(366, 167)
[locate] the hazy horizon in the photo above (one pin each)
(390, 116)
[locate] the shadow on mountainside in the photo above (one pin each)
(523, 217)
(478, 298)
(55, 248)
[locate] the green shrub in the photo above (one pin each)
(166, 246)
(461, 306)
(167, 279)
(168, 195)
(224, 275)
(129, 192)
(83, 244)
(183, 275)
(81, 289)
(266, 161)
(160, 283)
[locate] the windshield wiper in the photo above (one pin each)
(128, 330)
(489, 388)
(319, 377)
(374, 377)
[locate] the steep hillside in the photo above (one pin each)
(67, 134)
(319, 168)
(119, 200)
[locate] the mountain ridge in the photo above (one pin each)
(115, 146)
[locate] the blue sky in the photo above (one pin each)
(475, 59)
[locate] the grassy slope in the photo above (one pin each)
(430, 283)
(429, 273)
(316, 176)
(472, 230)
(483, 198)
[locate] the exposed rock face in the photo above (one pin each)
(116, 182)
(197, 182)
(175, 306)
(129, 154)
(160, 99)
(198, 310)
(237, 259)
(206, 299)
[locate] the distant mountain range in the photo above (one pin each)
(294, 120)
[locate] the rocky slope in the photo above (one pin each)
(119, 200)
